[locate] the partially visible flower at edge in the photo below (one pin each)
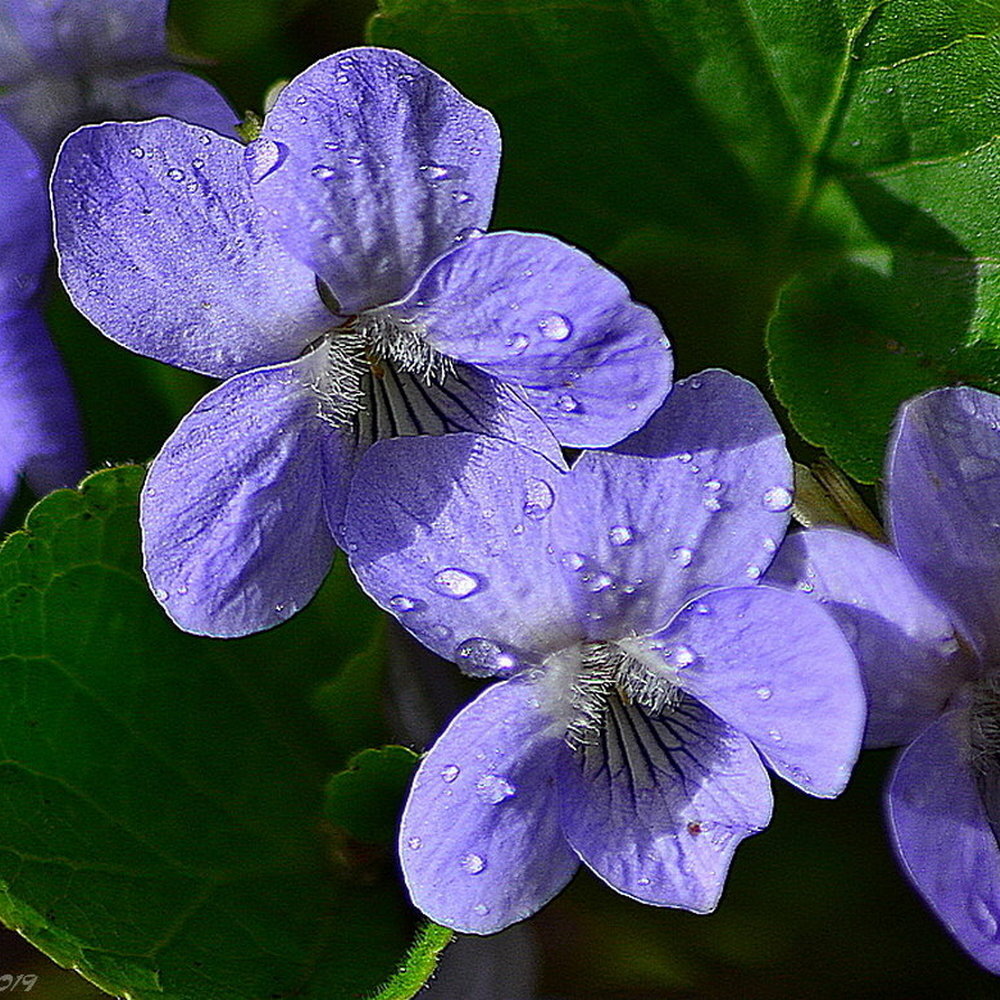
(335, 271)
(647, 675)
(924, 618)
(61, 65)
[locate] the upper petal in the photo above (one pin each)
(698, 498)
(903, 638)
(40, 436)
(450, 534)
(159, 245)
(25, 236)
(480, 838)
(232, 512)
(943, 470)
(544, 316)
(368, 167)
(658, 806)
(776, 667)
(943, 838)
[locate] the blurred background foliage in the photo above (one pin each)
(605, 152)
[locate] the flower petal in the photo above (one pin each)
(160, 247)
(480, 840)
(39, 427)
(544, 316)
(658, 806)
(699, 498)
(25, 236)
(449, 534)
(234, 533)
(77, 36)
(776, 667)
(943, 470)
(943, 838)
(368, 167)
(910, 659)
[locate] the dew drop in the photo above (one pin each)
(403, 603)
(462, 197)
(554, 325)
(452, 582)
(572, 561)
(753, 572)
(481, 909)
(197, 163)
(175, 174)
(517, 343)
(713, 485)
(138, 152)
(763, 692)
(643, 881)
(682, 555)
(450, 772)
(777, 499)
(468, 234)
(539, 499)
(620, 534)
(493, 789)
(414, 843)
(323, 172)
(595, 583)
(205, 139)
(442, 172)
(483, 658)
(684, 457)
(160, 594)
(263, 157)
(775, 735)
(805, 586)
(712, 504)
(567, 403)
(473, 864)
(682, 656)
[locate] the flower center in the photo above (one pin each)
(603, 673)
(984, 725)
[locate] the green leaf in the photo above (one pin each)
(365, 798)
(712, 151)
(161, 795)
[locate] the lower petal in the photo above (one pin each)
(658, 806)
(775, 666)
(39, 426)
(943, 838)
(480, 837)
(235, 536)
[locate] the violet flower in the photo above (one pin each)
(66, 62)
(924, 618)
(39, 431)
(335, 273)
(649, 674)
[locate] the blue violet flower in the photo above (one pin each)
(335, 272)
(646, 675)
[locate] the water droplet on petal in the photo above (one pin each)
(403, 603)
(554, 325)
(175, 174)
(481, 909)
(713, 485)
(138, 152)
(483, 658)
(753, 572)
(572, 560)
(682, 555)
(567, 403)
(517, 343)
(777, 499)
(682, 656)
(197, 163)
(763, 692)
(453, 582)
(539, 499)
(948, 644)
(473, 864)
(469, 233)
(442, 172)
(620, 534)
(160, 594)
(775, 735)
(493, 789)
(684, 457)
(414, 843)
(594, 583)
(450, 772)
(462, 197)
(643, 881)
(264, 156)
(205, 139)
(712, 504)
(323, 172)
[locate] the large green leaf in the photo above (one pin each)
(713, 150)
(161, 795)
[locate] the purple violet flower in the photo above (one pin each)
(335, 272)
(647, 674)
(924, 618)
(39, 431)
(66, 62)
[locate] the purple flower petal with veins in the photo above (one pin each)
(647, 677)
(924, 618)
(336, 272)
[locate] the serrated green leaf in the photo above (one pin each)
(161, 795)
(712, 151)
